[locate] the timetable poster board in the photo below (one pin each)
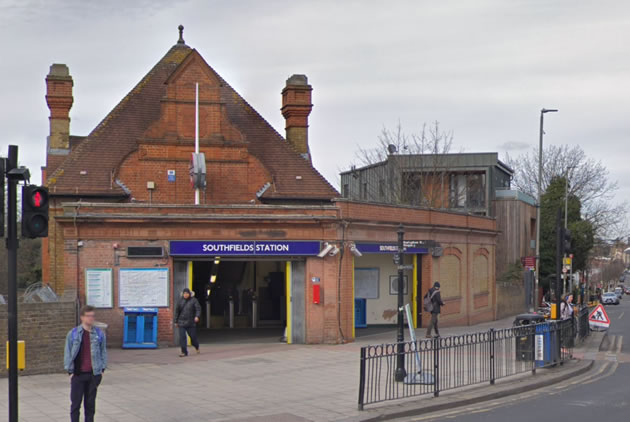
(98, 287)
(144, 287)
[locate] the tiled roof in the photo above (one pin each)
(90, 167)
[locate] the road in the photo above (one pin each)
(601, 394)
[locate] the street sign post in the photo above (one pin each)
(598, 318)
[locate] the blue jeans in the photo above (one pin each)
(183, 341)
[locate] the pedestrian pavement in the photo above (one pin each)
(226, 382)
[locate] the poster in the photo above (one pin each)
(146, 287)
(98, 287)
(540, 347)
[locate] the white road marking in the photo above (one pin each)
(621, 315)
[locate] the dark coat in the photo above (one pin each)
(186, 311)
(437, 301)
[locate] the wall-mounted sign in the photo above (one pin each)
(170, 175)
(411, 247)
(244, 248)
(143, 287)
(98, 287)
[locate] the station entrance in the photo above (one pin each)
(245, 300)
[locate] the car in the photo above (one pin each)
(619, 292)
(610, 298)
(628, 290)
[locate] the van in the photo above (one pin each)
(619, 292)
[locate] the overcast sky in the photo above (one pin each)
(482, 68)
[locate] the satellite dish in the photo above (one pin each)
(391, 148)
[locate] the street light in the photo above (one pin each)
(400, 373)
(540, 164)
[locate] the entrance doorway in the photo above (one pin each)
(245, 300)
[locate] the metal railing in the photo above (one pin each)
(583, 327)
(435, 365)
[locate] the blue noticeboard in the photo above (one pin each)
(360, 313)
(140, 328)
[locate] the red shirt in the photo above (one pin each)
(85, 353)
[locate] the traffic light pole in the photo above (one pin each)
(12, 247)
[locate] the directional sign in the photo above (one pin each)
(599, 318)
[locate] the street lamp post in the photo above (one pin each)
(540, 172)
(400, 358)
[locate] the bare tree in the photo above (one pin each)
(404, 178)
(589, 180)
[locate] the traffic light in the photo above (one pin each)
(566, 241)
(34, 211)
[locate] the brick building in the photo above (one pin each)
(124, 230)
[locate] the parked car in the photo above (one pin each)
(610, 298)
(628, 290)
(619, 292)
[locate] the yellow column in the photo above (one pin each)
(288, 297)
(189, 284)
(414, 294)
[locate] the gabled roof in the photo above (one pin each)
(90, 167)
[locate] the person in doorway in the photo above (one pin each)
(436, 303)
(85, 360)
(187, 314)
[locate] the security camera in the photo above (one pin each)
(355, 251)
(334, 251)
(327, 248)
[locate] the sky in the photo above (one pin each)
(482, 68)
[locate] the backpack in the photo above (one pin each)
(427, 302)
(99, 334)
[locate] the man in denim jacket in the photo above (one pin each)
(85, 359)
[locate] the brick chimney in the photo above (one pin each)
(59, 99)
(296, 107)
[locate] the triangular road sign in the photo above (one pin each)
(599, 318)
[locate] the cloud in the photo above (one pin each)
(513, 146)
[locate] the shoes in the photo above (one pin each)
(198, 351)
(428, 337)
(183, 355)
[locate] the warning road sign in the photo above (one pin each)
(599, 318)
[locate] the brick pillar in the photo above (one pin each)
(296, 107)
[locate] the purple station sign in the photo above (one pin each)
(410, 247)
(244, 248)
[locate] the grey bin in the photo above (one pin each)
(525, 343)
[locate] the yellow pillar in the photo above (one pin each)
(189, 284)
(414, 294)
(288, 297)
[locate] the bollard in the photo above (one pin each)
(254, 314)
(231, 313)
(208, 315)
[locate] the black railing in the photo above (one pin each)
(446, 363)
(583, 328)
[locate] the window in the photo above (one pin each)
(411, 189)
(467, 190)
(344, 190)
(364, 191)
(381, 189)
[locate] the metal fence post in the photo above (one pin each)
(492, 362)
(362, 379)
(436, 366)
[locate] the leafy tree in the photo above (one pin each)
(582, 231)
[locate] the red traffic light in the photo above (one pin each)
(38, 198)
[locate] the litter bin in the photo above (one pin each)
(525, 337)
(140, 328)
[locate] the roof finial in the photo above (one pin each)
(181, 35)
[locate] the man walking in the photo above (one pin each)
(187, 314)
(85, 359)
(434, 303)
